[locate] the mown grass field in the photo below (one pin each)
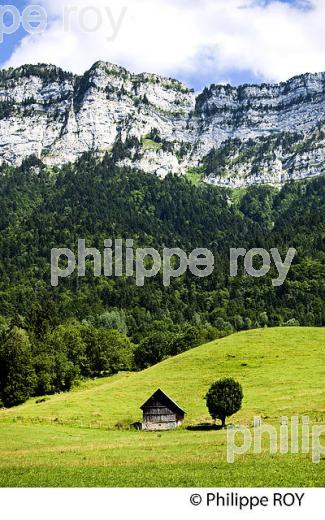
(81, 438)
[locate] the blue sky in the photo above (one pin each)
(210, 41)
(12, 40)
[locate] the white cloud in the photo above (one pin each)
(212, 38)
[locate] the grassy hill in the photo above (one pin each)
(74, 439)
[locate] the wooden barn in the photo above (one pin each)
(160, 412)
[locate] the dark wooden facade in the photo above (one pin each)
(160, 412)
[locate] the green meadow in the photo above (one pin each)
(83, 438)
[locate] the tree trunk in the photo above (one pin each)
(223, 423)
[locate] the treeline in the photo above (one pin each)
(38, 363)
(43, 208)
(54, 363)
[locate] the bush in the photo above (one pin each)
(224, 398)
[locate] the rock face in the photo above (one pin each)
(233, 136)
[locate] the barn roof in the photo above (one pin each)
(164, 399)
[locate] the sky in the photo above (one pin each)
(196, 41)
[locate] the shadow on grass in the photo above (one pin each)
(204, 427)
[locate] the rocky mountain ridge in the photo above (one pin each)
(231, 136)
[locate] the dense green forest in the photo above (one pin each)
(89, 327)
